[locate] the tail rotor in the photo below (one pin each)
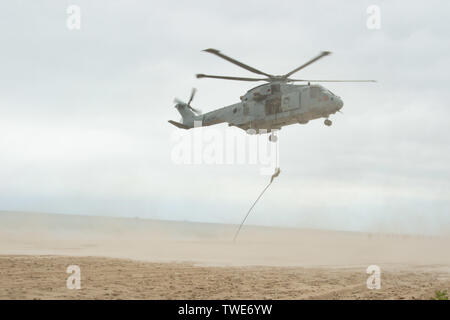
(188, 105)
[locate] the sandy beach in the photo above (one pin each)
(123, 258)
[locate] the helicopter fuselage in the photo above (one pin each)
(272, 106)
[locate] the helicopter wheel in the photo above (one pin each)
(328, 122)
(273, 137)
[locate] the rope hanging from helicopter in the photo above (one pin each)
(272, 178)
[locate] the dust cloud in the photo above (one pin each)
(211, 244)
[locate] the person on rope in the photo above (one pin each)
(276, 174)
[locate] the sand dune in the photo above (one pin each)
(199, 260)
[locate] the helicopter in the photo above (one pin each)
(267, 107)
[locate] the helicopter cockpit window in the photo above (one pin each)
(324, 94)
(275, 88)
(326, 91)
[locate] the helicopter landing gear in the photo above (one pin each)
(273, 137)
(328, 122)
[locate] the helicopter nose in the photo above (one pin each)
(340, 103)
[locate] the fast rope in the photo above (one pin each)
(276, 174)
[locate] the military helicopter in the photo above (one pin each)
(269, 106)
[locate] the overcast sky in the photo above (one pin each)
(83, 113)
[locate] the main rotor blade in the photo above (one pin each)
(309, 80)
(238, 63)
(321, 55)
(230, 78)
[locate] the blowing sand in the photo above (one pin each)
(150, 259)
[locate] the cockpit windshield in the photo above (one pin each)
(328, 91)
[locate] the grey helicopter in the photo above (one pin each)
(267, 107)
